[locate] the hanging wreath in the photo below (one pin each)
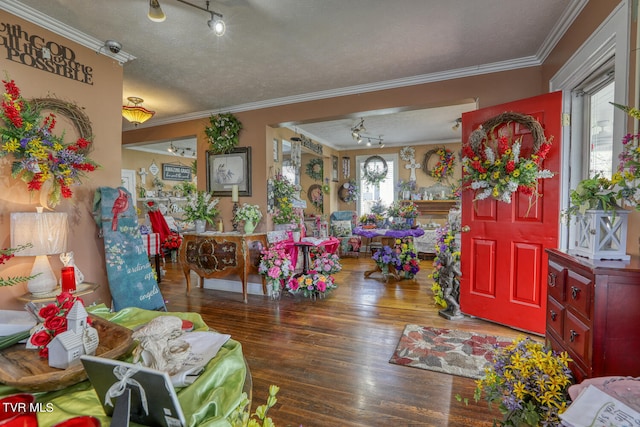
(494, 164)
(349, 191)
(315, 169)
(407, 153)
(443, 168)
(372, 174)
(314, 194)
(223, 132)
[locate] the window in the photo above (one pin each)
(385, 192)
(598, 92)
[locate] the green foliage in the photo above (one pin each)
(223, 132)
(592, 193)
(283, 194)
(240, 417)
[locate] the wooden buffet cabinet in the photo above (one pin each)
(215, 255)
(593, 313)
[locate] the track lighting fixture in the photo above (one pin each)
(180, 151)
(357, 133)
(457, 124)
(215, 22)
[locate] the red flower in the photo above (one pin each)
(44, 352)
(525, 190)
(468, 152)
(478, 166)
(56, 323)
(503, 145)
(66, 191)
(511, 166)
(35, 183)
(41, 338)
(48, 311)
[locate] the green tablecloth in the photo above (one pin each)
(206, 402)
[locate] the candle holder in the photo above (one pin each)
(234, 221)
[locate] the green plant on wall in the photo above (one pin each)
(223, 132)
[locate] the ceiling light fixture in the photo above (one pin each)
(357, 134)
(215, 22)
(155, 12)
(457, 124)
(136, 113)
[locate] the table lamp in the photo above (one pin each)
(47, 234)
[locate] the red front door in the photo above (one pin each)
(503, 262)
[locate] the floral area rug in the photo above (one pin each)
(447, 350)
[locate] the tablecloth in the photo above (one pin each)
(151, 243)
(385, 232)
(205, 403)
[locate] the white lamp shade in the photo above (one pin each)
(46, 232)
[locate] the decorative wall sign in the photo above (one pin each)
(276, 157)
(172, 172)
(153, 168)
(36, 52)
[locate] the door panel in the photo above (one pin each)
(503, 261)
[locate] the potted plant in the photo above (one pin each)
(201, 208)
(250, 214)
(601, 226)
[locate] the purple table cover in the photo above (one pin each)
(383, 232)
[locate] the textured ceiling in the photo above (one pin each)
(280, 51)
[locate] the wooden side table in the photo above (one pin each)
(81, 289)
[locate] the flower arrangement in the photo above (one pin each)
(315, 169)
(528, 382)
(313, 284)
(443, 169)
(54, 321)
(377, 207)
(386, 258)
(497, 166)
(240, 416)
(201, 206)
(5, 255)
(39, 155)
(409, 262)
(325, 262)
(352, 191)
(408, 185)
(627, 177)
(370, 219)
(249, 213)
(592, 193)
(172, 242)
(283, 194)
(223, 132)
(403, 214)
(276, 266)
(445, 242)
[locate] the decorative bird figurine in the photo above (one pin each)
(120, 205)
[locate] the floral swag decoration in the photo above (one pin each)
(40, 157)
(223, 132)
(497, 166)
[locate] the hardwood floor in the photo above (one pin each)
(330, 358)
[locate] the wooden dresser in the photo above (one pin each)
(593, 313)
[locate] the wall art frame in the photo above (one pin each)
(226, 170)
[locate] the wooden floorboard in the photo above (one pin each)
(330, 357)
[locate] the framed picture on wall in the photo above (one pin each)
(227, 170)
(334, 168)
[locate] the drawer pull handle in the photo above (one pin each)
(575, 292)
(553, 315)
(551, 280)
(572, 335)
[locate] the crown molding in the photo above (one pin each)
(40, 19)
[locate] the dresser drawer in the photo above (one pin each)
(556, 275)
(555, 317)
(578, 293)
(577, 337)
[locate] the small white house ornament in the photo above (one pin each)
(79, 338)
